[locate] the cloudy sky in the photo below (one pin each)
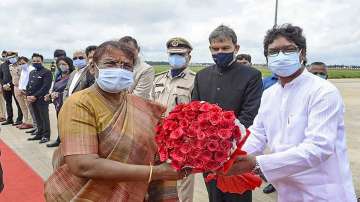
(332, 27)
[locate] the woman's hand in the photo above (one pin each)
(47, 97)
(166, 172)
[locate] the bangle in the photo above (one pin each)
(150, 174)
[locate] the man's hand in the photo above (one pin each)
(243, 164)
(31, 98)
(47, 97)
(7, 87)
(54, 95)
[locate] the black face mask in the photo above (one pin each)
(37, 65)
(223, 60)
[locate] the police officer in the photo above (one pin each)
(173, 87)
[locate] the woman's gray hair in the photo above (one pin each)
(222, 33)
(109, 45)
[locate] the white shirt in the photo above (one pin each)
(24, 77)
(75, 80)
(303, 125)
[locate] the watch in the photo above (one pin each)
(257, 171)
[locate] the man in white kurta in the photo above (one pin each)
(302, 123)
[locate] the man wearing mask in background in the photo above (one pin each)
(143, 73)
(81, 78)
(2, 101)
(8, 88)
(174, 87)
(232, 86)
(39, 85)
(319, 69)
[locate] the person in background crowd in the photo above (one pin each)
(244, 59)
(8, 89)
(89, 51)
(232, 86)
(2, 101)
(143, 73)
(319, 69)
(20, 79)
(301, 120)
(57, 54)
(174, 87)
(65, 65)
(81, 78)
(39, 85)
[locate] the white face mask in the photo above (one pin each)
(114, 80)
(284, 65)
(24, 66)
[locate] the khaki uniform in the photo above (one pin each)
(15, 72)
(170, 91)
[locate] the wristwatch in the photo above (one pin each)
(257, 171)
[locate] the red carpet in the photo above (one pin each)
(22, 184)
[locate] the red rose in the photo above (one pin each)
(194, 126)
(203, 117)
(192, 133)
(215, 118)
(204, 124)
(212, 130)
(172, 116)
(184, 123)
(190, 115)
(178, 108)
(236, 132)
(195, 153)
(205, 155)
(186, 108)
(225, 145)
(225, 134)
(205, 107)
(181, 115)
(185, 148)
(195, 105)
(201, 135)
(229, 116)
(212, 165)
(215, 108)
(177, 156)
(164, 155)
(167, 123)
(220, 156)
(198, 163)
(212, 146)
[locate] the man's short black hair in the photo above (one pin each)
(37, 55)
(290, 32)
(127, 39)
(246, 57)
(3, 52)
(89, 49)
(319, 63)
(59, 53)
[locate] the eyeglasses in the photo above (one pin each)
(123, 65)
(80, 58)
(320, 73)
(285, 50)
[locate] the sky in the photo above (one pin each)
(331, 27)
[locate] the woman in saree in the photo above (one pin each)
(107, 150)
(65, 65)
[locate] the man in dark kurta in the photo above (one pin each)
(232, 86)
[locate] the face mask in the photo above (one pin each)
(64, 68)
(114, 80)
(13, 60)
(79, 63)
(321, 75)
(37, 65)
(223, 60)
(177, 61)
(24, 66)
(284, 65)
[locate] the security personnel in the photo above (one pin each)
(173, 87)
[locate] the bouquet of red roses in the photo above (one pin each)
(198, 135)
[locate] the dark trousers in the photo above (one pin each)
(216, 195)
(8, 95)
(41, 112)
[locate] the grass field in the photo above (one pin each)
(333, 73)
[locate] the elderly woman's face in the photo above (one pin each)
(115, 59)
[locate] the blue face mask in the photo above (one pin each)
(13, 60)
(79, 63)
(223, 60)
(284, 65)
(177, 61)
(114, 80)
(37, 65)
(24, 66)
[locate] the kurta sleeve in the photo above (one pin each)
(318, 145)
(77, 127)
(257, 140)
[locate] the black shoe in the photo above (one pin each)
(269, 189)
(54, 144)
(8, 122)
(43, 140)
(31, 131)
(17, 123)
(36, 137)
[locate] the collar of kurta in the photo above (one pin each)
(297, 80)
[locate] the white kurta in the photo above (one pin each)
(303, 125)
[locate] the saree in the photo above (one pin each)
(129, 138)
